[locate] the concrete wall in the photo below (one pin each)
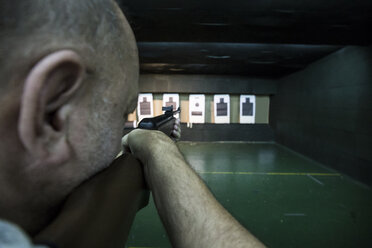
(204, 84)
(325, 112)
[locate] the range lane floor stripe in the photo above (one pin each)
(270, 173)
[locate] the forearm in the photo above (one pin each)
(191, 214)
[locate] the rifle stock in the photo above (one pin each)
(100, 212)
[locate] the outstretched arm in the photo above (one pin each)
(190, 213)
(100, 212)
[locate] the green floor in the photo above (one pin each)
(283, 198)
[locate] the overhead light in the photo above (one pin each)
(213, 24)
(218, 57)
(169, 9)
(176, 69)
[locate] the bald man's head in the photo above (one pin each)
(69, 73)
(31, 29)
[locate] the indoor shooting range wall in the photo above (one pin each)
(325, 112)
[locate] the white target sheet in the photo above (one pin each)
(172, 100)
(247, 109)
(145, 106)
(222, 109)
(197, 108)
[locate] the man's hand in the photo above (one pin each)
(149, 146)
(144, 143)
(176, 134)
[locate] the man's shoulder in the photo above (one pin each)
(12, 236)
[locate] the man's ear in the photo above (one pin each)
(44, 109)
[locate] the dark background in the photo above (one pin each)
(313, 58)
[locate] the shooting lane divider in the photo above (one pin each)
(271, 173)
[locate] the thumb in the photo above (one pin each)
(125, 144)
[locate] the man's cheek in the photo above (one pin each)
(111, 139)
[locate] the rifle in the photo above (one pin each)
(100, 212)
(164, 122)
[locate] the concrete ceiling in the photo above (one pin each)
(265, 38)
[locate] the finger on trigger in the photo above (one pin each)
(175, 134)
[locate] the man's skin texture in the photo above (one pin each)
(61, 114)
(190, 213)
(67, 83)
